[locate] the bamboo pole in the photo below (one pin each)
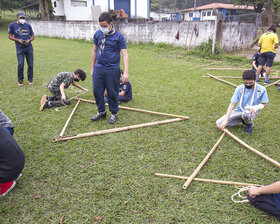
(233, 69)
(102, 132)
(192, 35)
(221, 80)
(77, 95)
(203, 66)
(239, 77)
(206, 180)
(187, 183)
(271, 84)
(187, 35)
(68, 120)
(140, 110)
(251, 148)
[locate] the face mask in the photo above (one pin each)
(21, 21)
(105, 30)
(76, 80)
(249, 86)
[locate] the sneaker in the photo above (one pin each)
(44, 105)
(30, 82)
(113, 118)
(99, 115)
(258, 80)
(249, 128)
(20, 83)
(267, 82)
(5, 188)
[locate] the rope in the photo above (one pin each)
(242, 96)
(241, 189)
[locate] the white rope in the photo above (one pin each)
(242, 96)
(241, 189)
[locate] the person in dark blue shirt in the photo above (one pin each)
(105, 66)
(255, 64)
(125, 93)
(22, 33)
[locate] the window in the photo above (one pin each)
(203, 13)
(77, 3)
(54, 4)
(209, 13)
(190, 14)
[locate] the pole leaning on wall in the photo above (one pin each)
(215, 35)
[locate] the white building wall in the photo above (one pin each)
(103, 4)
(142, 9)
(59, 9)
(78, 13)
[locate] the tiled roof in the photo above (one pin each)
(220, 5)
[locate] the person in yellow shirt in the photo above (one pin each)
(268, 43)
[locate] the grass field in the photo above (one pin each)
(112, 176)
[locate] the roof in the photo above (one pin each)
(220, 5)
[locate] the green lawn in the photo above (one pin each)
(112, 176)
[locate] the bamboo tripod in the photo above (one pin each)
(192, 177)
(176, 118)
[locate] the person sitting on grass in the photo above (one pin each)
(255, 64)
(57, 85)
(252, 97)
(11, 162)
(266, 198)
(6, 123)
(125, 93)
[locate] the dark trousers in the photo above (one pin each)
(266, 203)
(23, 52)
(55, 100)
(108, 79)
(124, 98)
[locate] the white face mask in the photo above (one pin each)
(21, 21)
(105, 30)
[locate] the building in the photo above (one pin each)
(208, 12)
(85, 10)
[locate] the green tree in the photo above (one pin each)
(8, 5)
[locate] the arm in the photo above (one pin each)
(259, 45)
(93, 58)
(126, 65)
(276, 46)
(121, 93)
(32, 37)
(269, 189)
(254, 65)
(11, 37)
(80, 87)
(61, 88)
(223, 125)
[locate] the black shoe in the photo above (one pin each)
(249, 128)
(99, 115)
(113, 119)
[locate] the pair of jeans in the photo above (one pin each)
(108, 79)
(25, 52)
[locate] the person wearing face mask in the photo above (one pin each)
(22, 33)
(105, 67)
(252, 97)
(57, 85)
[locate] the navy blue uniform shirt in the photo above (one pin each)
(256, 58)
(21, 31)
(127, 88)
(110, 57)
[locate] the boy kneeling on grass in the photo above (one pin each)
(57, 85)
(266, 198)
(252, 97)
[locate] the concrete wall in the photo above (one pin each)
(232, 35)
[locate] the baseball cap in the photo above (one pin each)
(21, 14)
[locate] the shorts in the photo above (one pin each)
(267, 59)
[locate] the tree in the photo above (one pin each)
(44, 8)
(9, 5)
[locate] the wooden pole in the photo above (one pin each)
(77, 95)
(187, 35)
(192, 35)
(140, 110)
(271, 84)
(206, 180)
(239, 77)
(203, 162)
(102, 132)
(68, 120)
(221, 80)
(233, 69)
(251, 148)
(203, 66)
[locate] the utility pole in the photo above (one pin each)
(194, 6)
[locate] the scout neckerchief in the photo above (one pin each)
(242, 96)
(102, 46)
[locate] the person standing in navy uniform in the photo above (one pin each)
(22, 33)
(105, 66)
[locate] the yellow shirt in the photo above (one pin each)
(268, 40)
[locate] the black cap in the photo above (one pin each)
(21, 14)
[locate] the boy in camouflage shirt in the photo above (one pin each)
(57, 85)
